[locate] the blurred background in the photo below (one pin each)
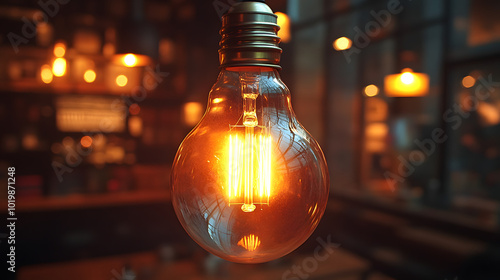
(403, 96)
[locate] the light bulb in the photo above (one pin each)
(249, 183)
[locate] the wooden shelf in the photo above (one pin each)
(100, 268)
(341, 264)
(431, 217)
(89, 201)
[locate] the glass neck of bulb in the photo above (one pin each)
(245, 74)
(246, 91)
(257, 79)
(256, 69)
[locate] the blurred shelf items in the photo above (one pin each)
(403, 96)
(92, 96)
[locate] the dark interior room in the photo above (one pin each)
(250, 139)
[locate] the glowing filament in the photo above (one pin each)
(249, 171)
(249, 174)
(250, 242)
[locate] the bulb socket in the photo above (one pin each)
(249, 36)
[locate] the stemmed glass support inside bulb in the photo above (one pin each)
(252, 153)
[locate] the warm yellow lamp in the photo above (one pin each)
(59, 67)
(131, 60)
(406, 84)
(342, 44)
(284, 23)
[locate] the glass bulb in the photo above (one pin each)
(249, 183)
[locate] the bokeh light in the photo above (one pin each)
(89, 76)
(130, 60)
(121, 80)
(407, 76)
(46, 74)
(342, 43)
(59, 67)
(371, 90)
(59, 49)
(468, 81)
(86, 141)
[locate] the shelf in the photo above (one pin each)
(436, 218)
(84, 201)
(341, 264)
(99, 268)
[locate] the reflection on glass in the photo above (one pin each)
(249, 183)
(250, 242)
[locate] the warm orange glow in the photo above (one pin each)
(86, 141)
(121, 80)
(468, 81)
(407, 78)
(30, 141)
(376, 130)
(244, 168)
(59, 67)
(76, 113)
(130, 60)
(46, 74)
(134, 109)
(342, 43)
(59, 49)
(217, 100)
(249, 170)
(376, 134)
(371, 90)
(406, 84)
(376, 110)
(108, 49)
(193, 111)
(250, 242)
(135, 126)
(284, 24)
(489, 114)
(312, 210)
(89, 76)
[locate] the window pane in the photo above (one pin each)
(396, 158)
(309, 79)
(473, 117)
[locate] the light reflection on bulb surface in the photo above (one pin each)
(250, 243)
(249, 184)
